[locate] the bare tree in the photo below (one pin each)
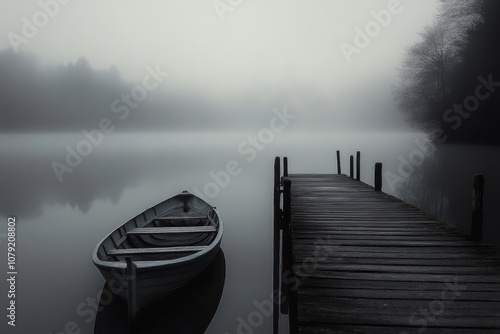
(428, 66)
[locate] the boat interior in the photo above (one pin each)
(176, 228)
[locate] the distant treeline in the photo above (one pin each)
(60, 98)
(73, 97)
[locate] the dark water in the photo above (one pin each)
(59, 223)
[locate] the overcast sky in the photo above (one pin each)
(273, 51)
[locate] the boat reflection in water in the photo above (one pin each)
(188, 310)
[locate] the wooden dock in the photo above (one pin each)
(356, 260)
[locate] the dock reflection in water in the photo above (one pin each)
(188, 310)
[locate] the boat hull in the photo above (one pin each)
(158, 282)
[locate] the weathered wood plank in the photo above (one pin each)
(373, 305)
(180, 218)
(172, 230)
(462, 293)
(157, 250)
(408, 277)
(335, 259)
(394, 285)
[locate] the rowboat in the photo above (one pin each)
(169, 243)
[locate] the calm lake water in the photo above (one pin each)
(59, 223)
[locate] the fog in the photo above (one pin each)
(223, 74)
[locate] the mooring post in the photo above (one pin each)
(277, 183)
(378, 176)
(131, 274)
(285, 166)
(477, 208)
(287, 207)
(339, 169)
(288, 278)
(285, 247)
(358, 165)
(351, 164)
(276, 244)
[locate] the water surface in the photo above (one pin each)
(59, 223)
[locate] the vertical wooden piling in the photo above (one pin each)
(351, 164)
(358, 165)
(477, 208)
(286, 245)
(131, 274)
(378, 176)
(285, 166)
(288, 258)
(276, 244)
(339, 169)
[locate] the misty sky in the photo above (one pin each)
(264, 54)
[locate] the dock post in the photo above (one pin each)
(288, 257)
(131, 274)
(378, 176)
(276, 244)
(358, 165)
(285, 246)
(285, 166)
(339, 169)
(351, 164)
(477, 208)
